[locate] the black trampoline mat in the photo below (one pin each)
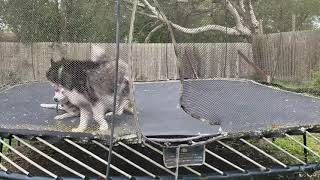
(160, 113)
(158, 104)
(246, 106)
(235, 105)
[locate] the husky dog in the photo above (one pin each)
(89, 86)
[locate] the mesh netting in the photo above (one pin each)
(204, 44)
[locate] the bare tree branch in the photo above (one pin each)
(139, 4)
(230, 31)
(242, 5)
(252, 15)
(133, 18)
(147, 40)
(239, 29)
(239, 20)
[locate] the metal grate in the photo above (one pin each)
(146, 159)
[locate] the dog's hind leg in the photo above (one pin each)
(85, 117)
(123, 101)
(66, 115)
(99, 116)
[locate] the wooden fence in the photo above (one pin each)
(19, 61)
(289, 55)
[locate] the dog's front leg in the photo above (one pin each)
(85, 117)
(98, 115)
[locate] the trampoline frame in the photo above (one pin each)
(261, 170)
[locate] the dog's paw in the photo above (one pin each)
(78, 129)
(109, 114)
(59, 117)
(104, 128)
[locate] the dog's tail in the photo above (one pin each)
(98, 53)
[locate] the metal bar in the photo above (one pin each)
(146, 158)
(310, 150)
(125, 159)
(29, 160)
(71, 157)
(257, 174)
(153, 148)
(176, 176)
(284, 151)
(50, 158)
(271, 172)
(14, 164)
(305, 151)
(1, 147)
(262, 168)
(160, 152)
(10, 141)
(98, 158)
(3, 168)
(224, 160)
(264, 153)
(213, 168)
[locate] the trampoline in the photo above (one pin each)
(216, 107)
(223, 109)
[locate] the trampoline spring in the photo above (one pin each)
(314, 137)
(264, 153)
(215, 169)
(71, 157)
(3, 168)
(14, 164)
(97, 158)
(284, 151)
(262, 168)
(306, 147)
(29, 160)
(225, 160)
(159, 152)
(49, 158)
(125, 159)
(147, 158)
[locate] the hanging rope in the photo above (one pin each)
(225, 39)
(131, 74)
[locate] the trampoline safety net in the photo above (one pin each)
(168, 83)
(165, 73)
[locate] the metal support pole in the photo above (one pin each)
(305, 151)
(177, 162)
(115, 86)
(1, 147)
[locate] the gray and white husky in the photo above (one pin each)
(89, 86)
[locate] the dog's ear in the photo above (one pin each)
(51, 61)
